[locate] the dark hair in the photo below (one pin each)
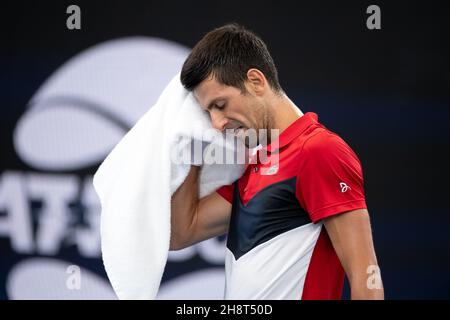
(228, 53)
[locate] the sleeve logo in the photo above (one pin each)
(344, 187)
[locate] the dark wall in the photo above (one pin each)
(387, 92)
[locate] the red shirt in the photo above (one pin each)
(329, 181)
(329, 174)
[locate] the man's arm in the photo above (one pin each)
(193, 219)
(351, 236)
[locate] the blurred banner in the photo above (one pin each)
(69, 95)
(52, 211)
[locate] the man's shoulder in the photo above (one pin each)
(323, 141)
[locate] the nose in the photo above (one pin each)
(219, 121)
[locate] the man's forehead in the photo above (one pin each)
(208, 90)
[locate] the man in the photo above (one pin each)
(295, 230)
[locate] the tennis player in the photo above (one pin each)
(295, 229)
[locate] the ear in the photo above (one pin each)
(256, 81)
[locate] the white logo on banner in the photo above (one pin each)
(71, 123)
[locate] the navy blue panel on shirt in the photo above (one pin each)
(271, 212)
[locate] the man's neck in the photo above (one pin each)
(284, 113)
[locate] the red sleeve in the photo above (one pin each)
(330, 179)
(226, 192)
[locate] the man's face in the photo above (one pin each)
(229, 108)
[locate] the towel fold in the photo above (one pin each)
(135, 183)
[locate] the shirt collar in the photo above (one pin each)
(293, 131)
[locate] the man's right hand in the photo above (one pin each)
(193, 219)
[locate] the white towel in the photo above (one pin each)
(135, 183)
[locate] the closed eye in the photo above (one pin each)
(220, 106)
